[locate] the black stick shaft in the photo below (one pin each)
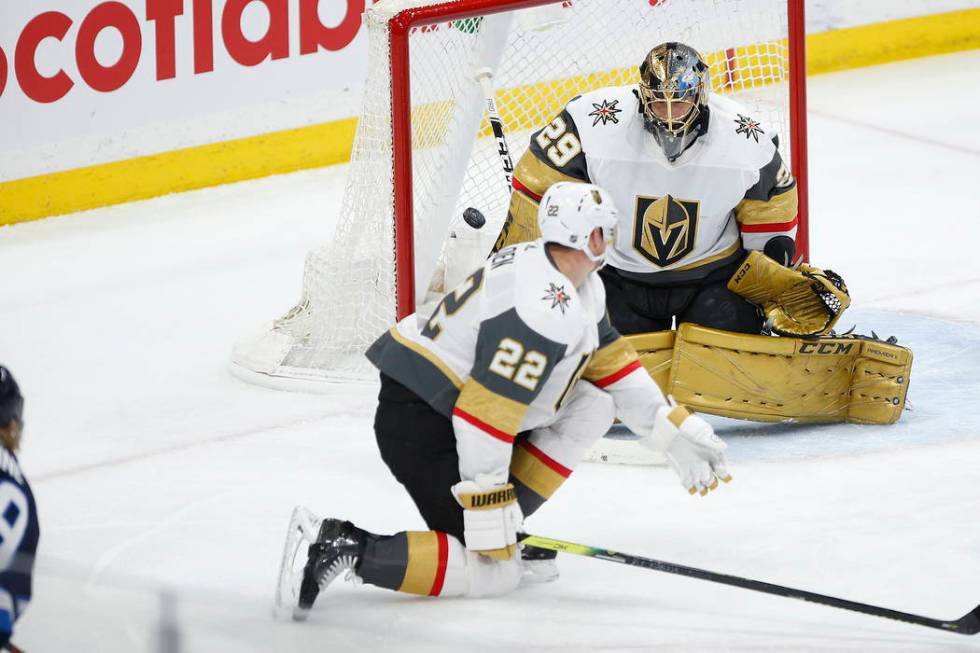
(969, 624)
(497, 125)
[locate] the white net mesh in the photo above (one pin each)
(540, 59)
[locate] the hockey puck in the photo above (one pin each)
(474, 218)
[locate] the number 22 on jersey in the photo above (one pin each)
(511, 362)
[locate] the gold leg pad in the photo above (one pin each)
(768, 379)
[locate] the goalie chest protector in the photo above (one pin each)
(676, 215)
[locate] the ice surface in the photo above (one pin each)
(165, 485)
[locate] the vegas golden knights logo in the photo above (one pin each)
(665, 228)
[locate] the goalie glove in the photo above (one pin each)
(491, 517)
(806, 301)
(693, 450)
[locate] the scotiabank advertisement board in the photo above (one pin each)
(85, 82)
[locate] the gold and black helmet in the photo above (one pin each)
(673, 91)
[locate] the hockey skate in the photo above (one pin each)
(335, 546)
(539, 565)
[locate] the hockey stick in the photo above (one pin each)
(969, 624)
(483, 76)
(540, 19)
(473, 216)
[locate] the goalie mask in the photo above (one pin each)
(673, 92)
(570, 211)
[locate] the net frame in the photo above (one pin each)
(401, 25)
(313, 343)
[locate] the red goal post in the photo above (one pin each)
(424, 150)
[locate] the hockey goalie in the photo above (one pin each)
(706, 241)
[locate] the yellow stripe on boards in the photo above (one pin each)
(895, 40)
(330, 143)
(143, 177)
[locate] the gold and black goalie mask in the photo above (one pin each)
(673, 91)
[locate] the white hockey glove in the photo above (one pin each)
(691, 448)
(491, 517)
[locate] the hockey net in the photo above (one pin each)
(424, 150)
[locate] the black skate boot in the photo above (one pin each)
(337, 549)
(540, 565)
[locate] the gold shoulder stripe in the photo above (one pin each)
(493, 409)
(427, 355)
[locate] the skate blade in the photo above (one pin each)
(303, 528)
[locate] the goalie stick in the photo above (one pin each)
(969, 624)
(473, 216)
(484, 77)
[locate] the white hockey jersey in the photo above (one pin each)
(503, 350)
(678, 220)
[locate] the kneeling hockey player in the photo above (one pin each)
(486, 411)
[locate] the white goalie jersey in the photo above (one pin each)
(730, 191)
